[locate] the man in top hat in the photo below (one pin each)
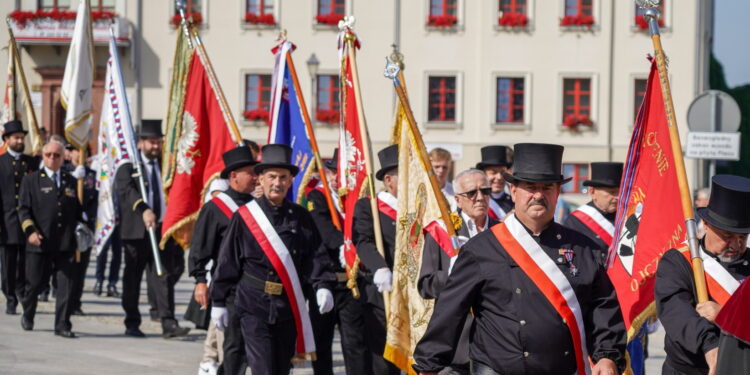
(472, 199)
(497, 160)
(135, 218)
(376, 269)
(347, 312)
(270, 253)
(596, 219)
(49, 211)
(541, 302)
(14, 165)
(213, 220)
(692, 338)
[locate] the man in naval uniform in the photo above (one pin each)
(497, 160)
(541, 302)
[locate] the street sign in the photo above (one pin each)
(713, 146)
(714, 111)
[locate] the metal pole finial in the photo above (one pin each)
(396, 56)
(651, 14)
(391, 69)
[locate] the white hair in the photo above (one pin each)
(458, 188)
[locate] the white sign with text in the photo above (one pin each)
(713, 146)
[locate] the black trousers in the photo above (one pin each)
(79, 279)
(13, 276)
(234, 345)
(376, 332)
(269, 347)
(114, 244)
(38, 266)
(348, 313)
(139, 258)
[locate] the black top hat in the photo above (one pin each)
(276, 156)
(537, 162)
(727, 207)
(237, 158)
(388, 160)
(495, 156)
(605, 174)
(333, 163)
(150, 129)
(13, 126)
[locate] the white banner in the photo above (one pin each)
(78, 78)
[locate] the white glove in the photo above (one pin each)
(79, 172)
(325, 300)
(383, 279)
(342, 257)
(453, 261)
(220, 317)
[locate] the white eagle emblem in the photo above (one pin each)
(187, 141)
(354, 161)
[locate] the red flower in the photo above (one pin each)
(21, 17)
(196, 16)
(257, 114)
(262, 19)
(327, 115)
(513, 19)
(331, 19)
(642, 24)
(573, 120)
(577, 20)
(442, 21)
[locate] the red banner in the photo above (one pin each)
(649, 220)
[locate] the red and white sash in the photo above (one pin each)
(496, 212)
(720, 283)
(282, 262)
(594, 220)
(549, 279)
(225, 203)
(387, 204)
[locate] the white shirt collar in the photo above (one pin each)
(472, 226)
(14, 154)
(51, 173)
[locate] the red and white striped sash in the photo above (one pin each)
(549, 279)
(225, 203)
(496, 212)
(282, 262)
(721, 285)
(594, 220)
(387, 204)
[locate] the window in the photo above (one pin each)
(576, 102)
(640, 20)
(442, 99)
(639, 91)
(510, 100)
(330, 12)
(103, 5)
(53, 4)
(259, 12)
(513, 6)
(578, 13)
(257, 97)
(513, 13)
(191, 6)
(443, 13)
(327, 104)
(579, 172)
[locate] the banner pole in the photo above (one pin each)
(31, 114)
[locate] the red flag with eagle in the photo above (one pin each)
(203, 139)
(649, 220)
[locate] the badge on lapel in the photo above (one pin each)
(568, 254)
(70, 193)
(46, 189)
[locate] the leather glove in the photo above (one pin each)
(325, 300)
(342, 257)
(79, 172)
(383, 279)
(220, 317)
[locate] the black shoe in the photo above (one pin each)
(27, 324)
(112, 291)
(175, 331)
(65, 333)
(10, 309)
(134, 332)
(78, 312)
(97, 288)
(44, 297)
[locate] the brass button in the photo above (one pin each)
(565, 321)
(59, 214)
(16, 196)
(559, 236)
(567, 352)
(15, 173)
(523, 322)
(518, 290)
(525, 354)
(17, 184)
(59, 225)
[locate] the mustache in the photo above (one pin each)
(276, 189)
(538, 202)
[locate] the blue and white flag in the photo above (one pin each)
(116, 145)
(287, 123)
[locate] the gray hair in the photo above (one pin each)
(706, 192)
(470, 171)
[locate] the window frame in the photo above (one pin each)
(243, 96)
(530, 7)
(527, 112)
(260, 26)
(460, 16)
(577, 178)
(323, 26)
(335, 97)
(593, 100)
(596, 12)
(665, 18)
(458, 121)
(55, 5)
(204, 12)
(633, 85)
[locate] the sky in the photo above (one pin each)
(731, 47)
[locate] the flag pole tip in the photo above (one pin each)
(391, 68)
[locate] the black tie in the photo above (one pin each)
(154, 182)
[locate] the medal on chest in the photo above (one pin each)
(568, 254)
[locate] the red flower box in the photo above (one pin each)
(572, 121)
(513, 19)
(442, 21)
(259, 114)
(327, 115)
(577, 20)
(197, 18)
(642, 24)
(260, 19)
(22, 17)
(329, 19)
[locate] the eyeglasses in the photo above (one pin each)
(471, 194)
(52, 155)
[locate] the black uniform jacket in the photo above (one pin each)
(504, 201)
(12, 171)
(131, 202)
(332, 238)
(688, 335)
(240, 254)
(209, 231)
(572, 222)
(516, 329)
(53, 212)
(90, 198)
(363, 236)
